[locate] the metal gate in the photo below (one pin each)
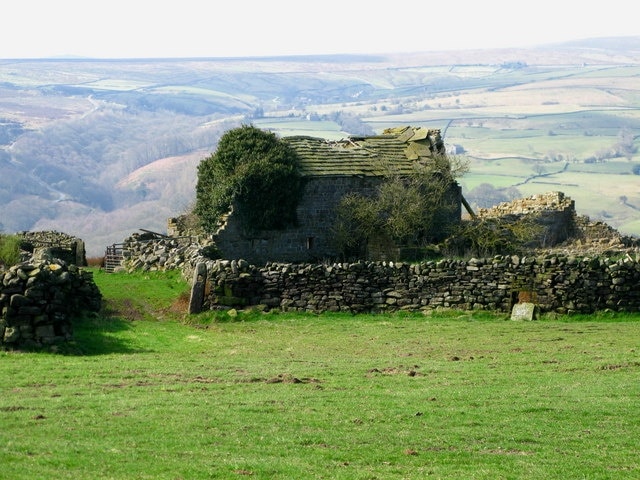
(113, 257)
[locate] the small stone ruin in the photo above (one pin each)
(553, 211)
(39, 298)
(61, 245)
(562, 228)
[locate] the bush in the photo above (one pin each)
(96, 262)
(410, 211)
(254, 170)
(357, 219)
(493, 236)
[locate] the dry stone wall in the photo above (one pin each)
(148, 252)
(555, 282)
(66, 247)
(38, 299)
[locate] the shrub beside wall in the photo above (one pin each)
(556, 282)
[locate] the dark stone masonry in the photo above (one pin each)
(38, 299)
(555, 282)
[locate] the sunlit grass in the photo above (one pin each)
(453, 395)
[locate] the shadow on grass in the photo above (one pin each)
(100, 335)
(93, 334)
(105, 332)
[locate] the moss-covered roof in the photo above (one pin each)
(396, 150)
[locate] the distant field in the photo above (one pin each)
(116, 84)
(516, 124)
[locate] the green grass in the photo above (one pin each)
(141, 295)
(271, 396)
(9, 249)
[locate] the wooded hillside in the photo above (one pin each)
(100, 148)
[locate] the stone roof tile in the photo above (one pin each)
(396, 150)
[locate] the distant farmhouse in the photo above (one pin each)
(331, 170)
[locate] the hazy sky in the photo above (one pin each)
(190, 28)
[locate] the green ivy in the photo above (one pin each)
(254, 171)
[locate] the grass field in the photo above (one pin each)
(145, 394)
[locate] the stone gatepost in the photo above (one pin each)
(198, 288)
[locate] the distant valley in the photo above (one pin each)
(102, 148)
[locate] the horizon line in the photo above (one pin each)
(80, 58)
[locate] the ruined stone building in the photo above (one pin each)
(332, 169)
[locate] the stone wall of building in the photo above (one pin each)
(545, 202)
(555, 282)
(309, 239)
(38, 299)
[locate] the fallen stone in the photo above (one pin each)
(524, 311)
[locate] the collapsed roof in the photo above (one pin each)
(397, 150)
